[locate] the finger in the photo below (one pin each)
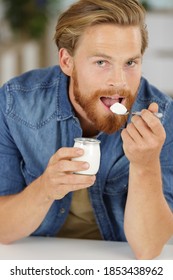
(75, 179)
(66, 153)
(129, 145)
(141, 126)
(70, 183)
(150, 128)
(152, 122)
(76, 187)
(71, 166)
(153, 107)
(127, 139)
(133, 132)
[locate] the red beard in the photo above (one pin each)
(108, 122)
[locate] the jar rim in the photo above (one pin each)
(87, 140)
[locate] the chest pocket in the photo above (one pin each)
(28, 174)
(117, 179)
(117, 185)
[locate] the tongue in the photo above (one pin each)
(108, 101)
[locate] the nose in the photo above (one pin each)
(117, 78)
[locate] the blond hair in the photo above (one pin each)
(85, 13)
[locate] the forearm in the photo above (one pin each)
(21, 214)
(148, 219)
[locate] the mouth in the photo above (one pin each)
(109, 101)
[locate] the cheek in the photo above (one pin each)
(88, 82)
(134, 81)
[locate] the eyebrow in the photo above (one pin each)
(138, 56)
(101, 55)
(135, 57)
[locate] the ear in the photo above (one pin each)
(66, 61)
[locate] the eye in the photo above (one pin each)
(101, 62)
(131, 63)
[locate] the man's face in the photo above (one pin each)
(107, 69)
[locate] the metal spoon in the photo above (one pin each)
(120, 109)
(156, 114)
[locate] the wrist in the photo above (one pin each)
(146, 169)
(146, 179)
(43, 191)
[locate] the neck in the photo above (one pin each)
(87, 127)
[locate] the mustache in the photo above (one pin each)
(112, 92)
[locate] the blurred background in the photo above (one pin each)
(27, 30)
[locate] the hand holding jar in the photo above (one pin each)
(91, 154)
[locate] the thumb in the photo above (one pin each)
(153, 107)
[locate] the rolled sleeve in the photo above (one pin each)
(167, 156)
(11, 178)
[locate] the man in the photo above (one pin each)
(101, 44)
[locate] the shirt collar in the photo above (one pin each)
(64, 107)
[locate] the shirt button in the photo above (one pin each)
(62, 210)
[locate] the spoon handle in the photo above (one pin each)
(158, 115)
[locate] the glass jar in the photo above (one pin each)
(91, 154)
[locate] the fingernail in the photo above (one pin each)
(86, 165)
(79, 152)
(93, 178)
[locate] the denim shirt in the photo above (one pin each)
(36, 119)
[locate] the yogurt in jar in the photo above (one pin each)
(91, 154)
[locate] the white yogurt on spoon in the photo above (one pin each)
(119, 109)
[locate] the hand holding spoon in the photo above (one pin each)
(120, 109)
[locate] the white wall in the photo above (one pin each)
(18, 58)
(161, 4)
(158, 60)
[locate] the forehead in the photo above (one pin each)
(110, 38)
